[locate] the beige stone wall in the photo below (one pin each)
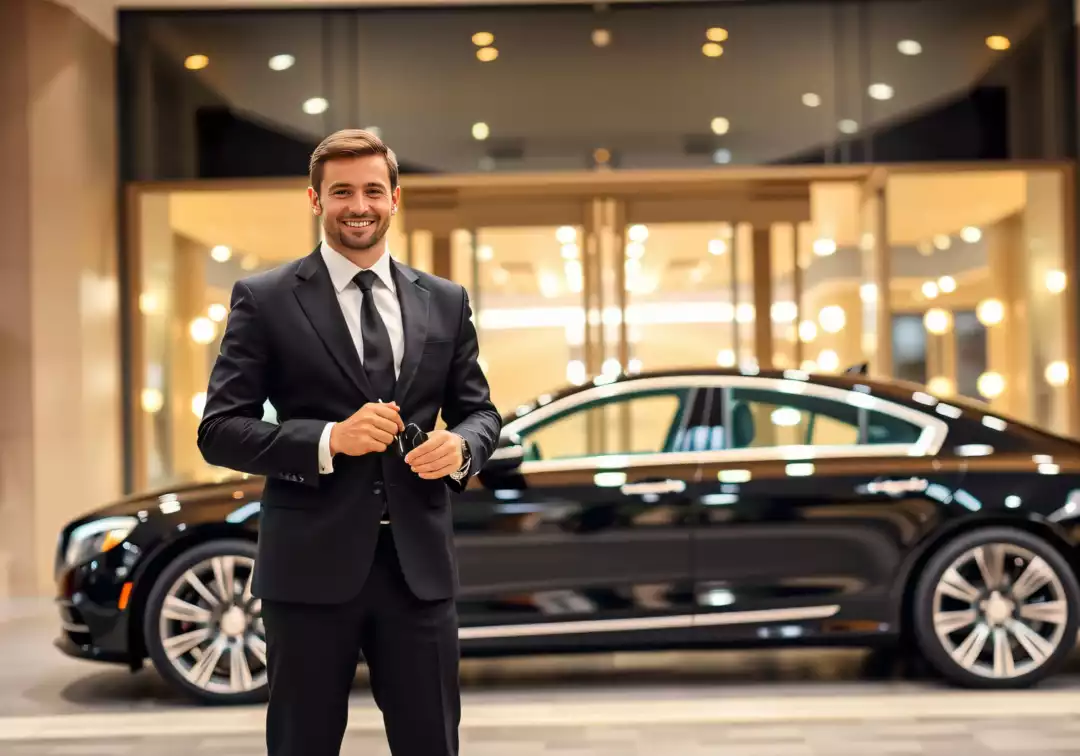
(60, 390)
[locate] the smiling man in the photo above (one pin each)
(358, 354)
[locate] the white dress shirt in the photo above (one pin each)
(342, 271)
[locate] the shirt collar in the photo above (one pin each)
(343, 270)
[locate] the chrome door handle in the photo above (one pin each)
(654, 487)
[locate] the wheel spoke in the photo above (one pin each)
(183, 611)
(201, 673)
(1004, 664)
(1054, 612)
(968, 651)
(954, 584)
(257, 646)
(178, 645)
(1037, 574)
(224, 577)
(949, 622)
(246, 597)
(200, 588)
(991, 561)
(1038, 648)
(239, 671)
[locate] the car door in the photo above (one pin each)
(586, 540)
(811, 508)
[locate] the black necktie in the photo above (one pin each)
(378, 354)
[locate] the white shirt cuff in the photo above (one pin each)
(326, 460)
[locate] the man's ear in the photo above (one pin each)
(316, 204)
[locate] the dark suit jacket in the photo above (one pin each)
(286, 340)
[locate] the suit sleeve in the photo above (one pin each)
(232, 433)
(467, 406)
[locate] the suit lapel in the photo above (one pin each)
(316, 294)
(414, 301)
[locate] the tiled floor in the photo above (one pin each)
(1045, 737)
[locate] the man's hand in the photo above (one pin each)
(371, 429)
(437, 457)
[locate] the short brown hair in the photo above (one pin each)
(350, 143)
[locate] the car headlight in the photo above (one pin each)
(93, 538)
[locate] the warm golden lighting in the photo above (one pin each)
(202, 330)
(480, 131)
(930, 290)
(1056, 281)
(998, 42)
(217, 312)
(947, 284)
(487, 54)
(602, 155)
(1057, 373)
(720, 125)
(712, 50)
(196, 62)
(990, 312)
(807, 331)
(152, 400)
(991, 385)
(601, 37)
(716, 34)
(937, 321)
(832, 319)
(828, 360)
(149, 304)
(221, 253)
(483, 39)
(725, 358)
(198, 403)
(940, 385)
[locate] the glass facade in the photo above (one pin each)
(885, 183)
(571, 87)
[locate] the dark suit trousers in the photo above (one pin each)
(411, 650)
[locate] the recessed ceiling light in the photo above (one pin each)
(909, 47)
(811, 100)
(196, 62)
(712, 50)
(848, 126)
(487, 54)
(716, 34)
(480, 131)
(998, 42)
(880, 91)
(720, 125)
(315, 106)
(483, 39)
(601, 37)
(221, 253)
(281, 62)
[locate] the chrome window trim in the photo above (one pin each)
(677, 621)
(931, 439)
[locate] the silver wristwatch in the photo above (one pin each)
(462, 471)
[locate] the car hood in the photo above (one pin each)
(238, 487)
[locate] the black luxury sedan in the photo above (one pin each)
(681, 509)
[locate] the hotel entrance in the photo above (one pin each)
(956, 279)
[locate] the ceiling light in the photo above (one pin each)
(720, 125)
(722, 156)
(990, 312)
(716, 34)
(635, 250)
(909, 47)
(281, 62)
(198, 403)
(485, 253)
(717, 247)
(848, 126)
(487, 54)
(566, 234)
(1056, 281)
(639, 232)
(937, 321)
(807, 330)
(824, 247)
(217, 312)
(998, 42)
(602, 155)
(930, 290)
(480, 131)
(970, 234)
(991, 385)
(725, 358)
(315, 106)
(712, 50)
(221, 253)
(483, 39)
(601, 37)
(880, 91)
(828, 360)
(196, 62)
(942, 241)
(947, 284)
(941, 386)
(1057, 373)
(832, 319)
(202, 330)
(811, 100)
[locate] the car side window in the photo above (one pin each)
(766, 418)
(634, 423)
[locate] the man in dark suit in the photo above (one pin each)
(356, 352)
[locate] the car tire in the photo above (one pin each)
(186, 621)
(996, 608)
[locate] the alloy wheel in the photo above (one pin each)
(211, 626)
(1000, 610)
